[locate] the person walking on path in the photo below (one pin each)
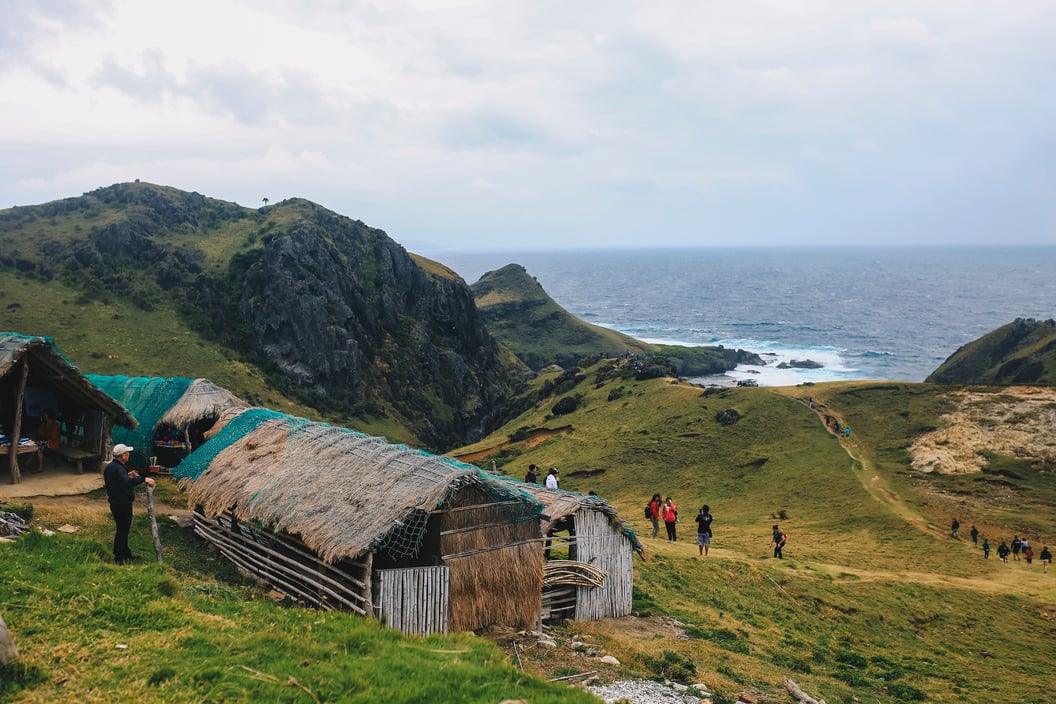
(670, 515)
(1017, 545)
(1046, 558)
(704, 530)
(954, 527)
(655, 505)
(778, 540)
(986, 549)
(531, 477)
(975, 535)
(121, 486)
(1002, 551)
(1028, 555)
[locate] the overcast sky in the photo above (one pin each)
(505, 124)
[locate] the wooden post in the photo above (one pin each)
(153, 522)
(8, 651)
(16, 432)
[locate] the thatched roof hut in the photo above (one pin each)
(382, 528)
(35, 376)
(596, 581)
(190, 406)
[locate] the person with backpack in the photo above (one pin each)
(704, 520)
(652, 512)
(1002, 551)
(778, 540)
(1046, 558)
(670, 515)
(1017, 545)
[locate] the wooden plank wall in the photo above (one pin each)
(414, 600)
(601, 545)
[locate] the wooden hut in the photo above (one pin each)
(339, 519)
(174, 413)
(35, 376)
(596, 579)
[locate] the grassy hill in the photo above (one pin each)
(520, 313)
(540, 332)
(874, 601)
(1022, 352)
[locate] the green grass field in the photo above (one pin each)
(872, 603)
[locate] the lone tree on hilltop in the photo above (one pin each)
(265, 199)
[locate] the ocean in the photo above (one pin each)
(862, 313)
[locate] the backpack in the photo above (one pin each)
(648, 510)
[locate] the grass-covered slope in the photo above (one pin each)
(191, 630)
(873, 601)
(539, 331)
(1022, 352)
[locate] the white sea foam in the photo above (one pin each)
(834, 366)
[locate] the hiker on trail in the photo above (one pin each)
(531, 477)
(986, 549)
(1002, 551)
(778, 540)
(669, 513)
(954, 527)
(847, 431)
(1046, 558)
(120, 490)
(1028, 554)
(1017, 545)
(655, 505)
(975, 535)
(551, 478)
(704, 530)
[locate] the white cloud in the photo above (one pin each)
(589, 122)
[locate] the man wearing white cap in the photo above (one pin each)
(121, 491)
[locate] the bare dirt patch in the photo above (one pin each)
(1019, 421)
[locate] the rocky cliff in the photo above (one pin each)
(333, 312)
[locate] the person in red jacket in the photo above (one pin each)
(670, 515)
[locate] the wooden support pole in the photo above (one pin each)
(153, 522)
(16, 432)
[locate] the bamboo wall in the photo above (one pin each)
(415, 600)
(601, 545)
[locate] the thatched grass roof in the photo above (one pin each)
(49, 367)
(202, 399)
(342, 492)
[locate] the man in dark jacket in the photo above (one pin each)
(121, 491)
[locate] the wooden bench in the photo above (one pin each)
(75, 455)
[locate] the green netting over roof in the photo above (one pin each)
(237, 428)
(148, 398)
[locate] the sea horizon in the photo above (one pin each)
(862, 312)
